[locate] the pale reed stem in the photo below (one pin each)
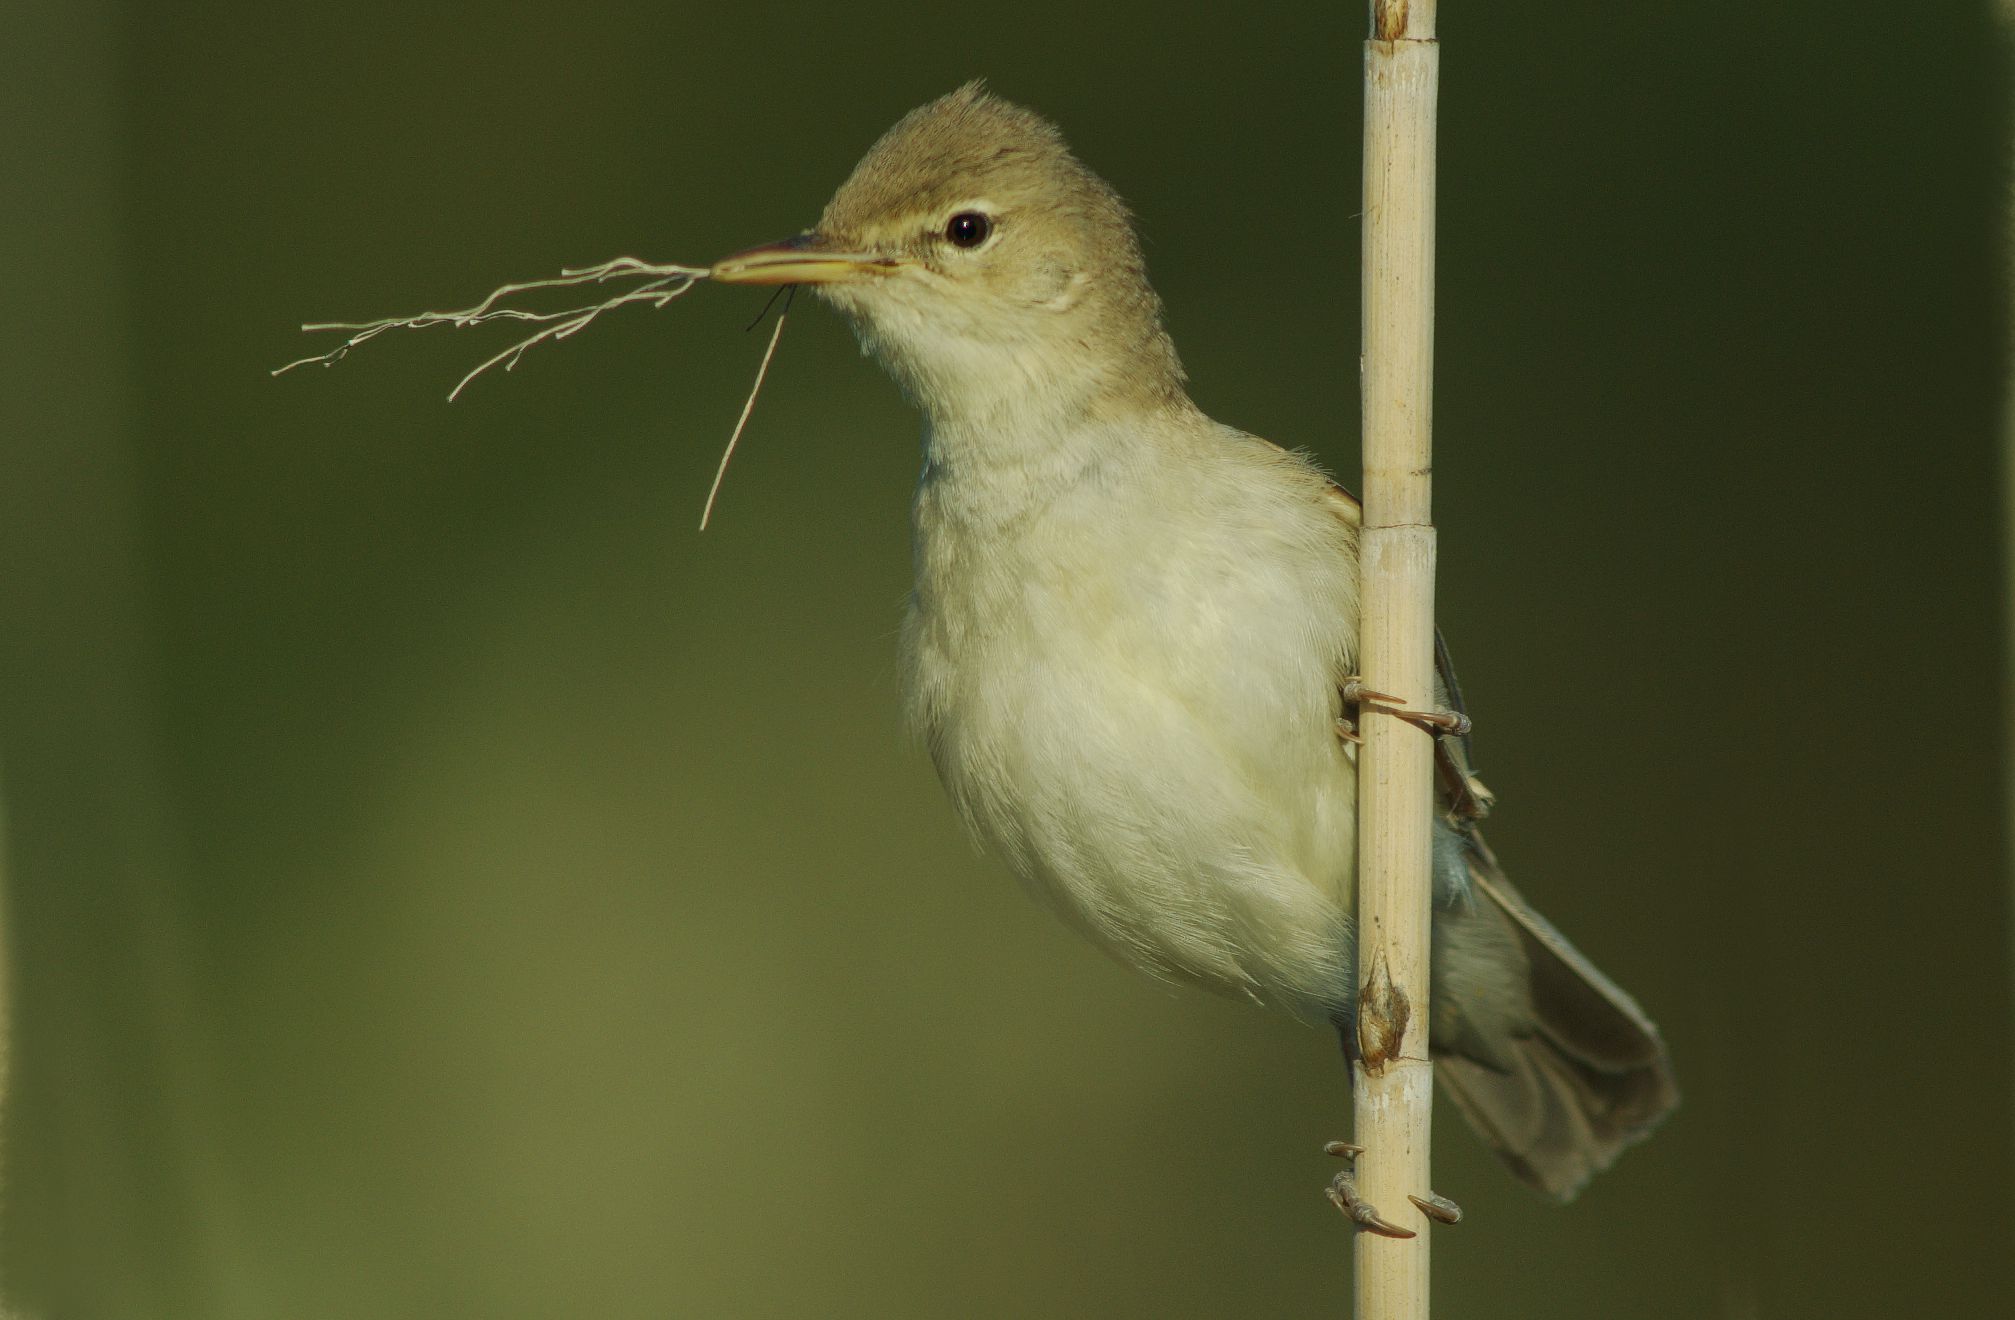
(1393, 1084)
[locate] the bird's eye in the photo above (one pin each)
(968, 229)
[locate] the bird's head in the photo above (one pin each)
(984, 265)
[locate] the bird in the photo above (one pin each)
(1131, 642)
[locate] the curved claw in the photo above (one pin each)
(1453, 723)
(1343, 1195)
(1438, 1208)
(1355, 693)
(1361, 1212)
(1441, 723)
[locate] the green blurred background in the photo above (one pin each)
(443, 884)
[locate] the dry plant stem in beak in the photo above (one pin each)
(800, 260)
(662, 282)
(748, 406)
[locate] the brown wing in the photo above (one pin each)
(1587, 1075)
(1589, 1080)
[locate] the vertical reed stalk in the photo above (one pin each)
(1393, 1084)
(2006, 12)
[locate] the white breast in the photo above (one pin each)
(1123, 651)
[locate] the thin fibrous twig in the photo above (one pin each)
(748, 407)
(663, 282)
(782, 291)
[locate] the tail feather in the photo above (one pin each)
(1554, 1121)
(1590, 1078)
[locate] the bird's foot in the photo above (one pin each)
(1438, 1208)
(1452, 723)
(1343, 1194)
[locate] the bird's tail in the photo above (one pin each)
(1590, 1078)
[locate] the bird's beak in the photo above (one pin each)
(806, 259)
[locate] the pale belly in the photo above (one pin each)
(1176, 793)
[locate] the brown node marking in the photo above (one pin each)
(1388, 22)
(1383, 1012)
